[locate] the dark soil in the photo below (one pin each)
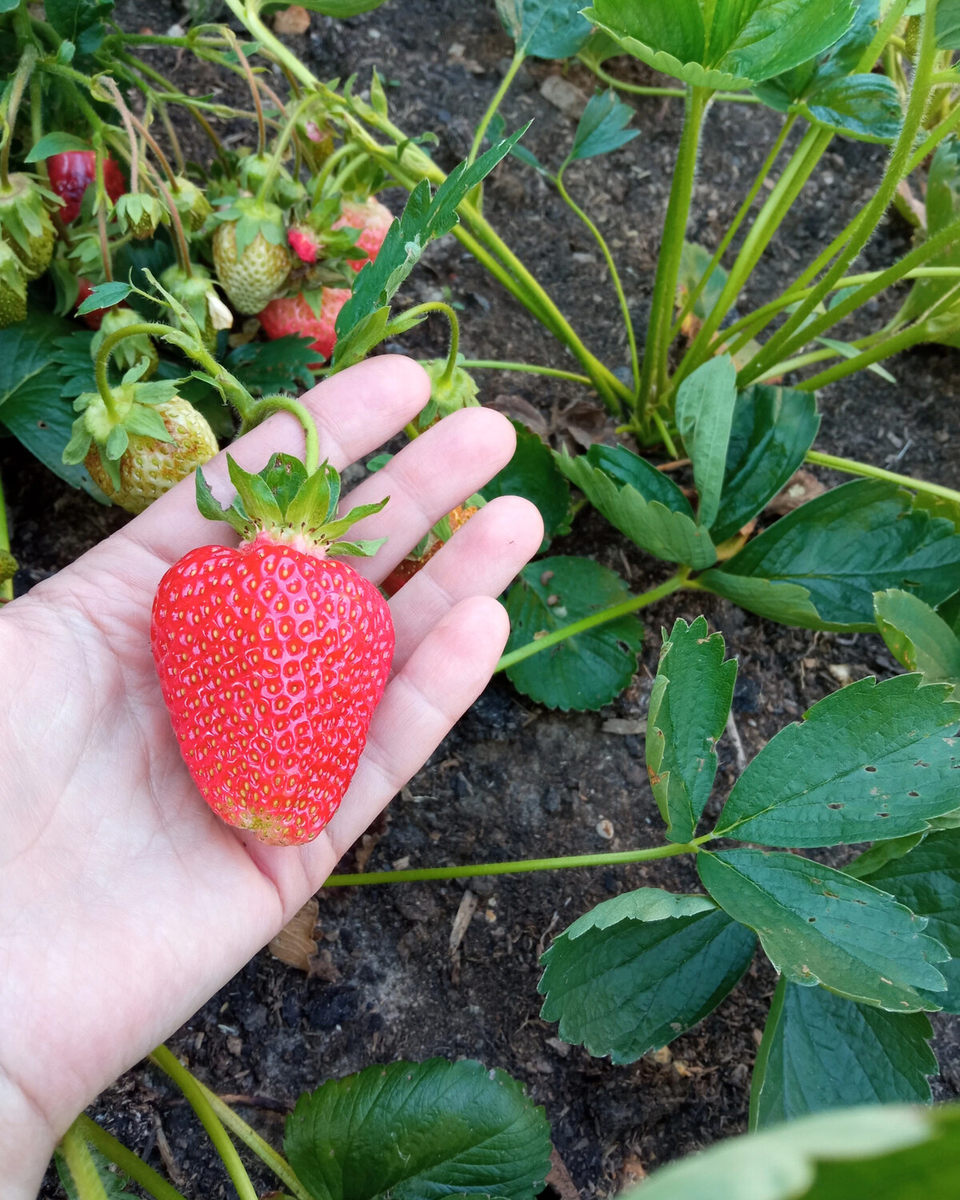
(513, 780)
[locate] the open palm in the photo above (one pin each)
(125, 902)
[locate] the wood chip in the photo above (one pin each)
(461, 922)
(625, 726)
(559, 1178)
(562, 94)
(294, 19)
(801, 488)
(295, 943)
(632, 1172)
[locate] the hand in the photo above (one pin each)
(126, 903)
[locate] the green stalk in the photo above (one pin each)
(346, 150)
(519, 867)
(737, 222)
(653, 377)
(613, 613)
(867, 222)
(80, 1164)
(614, 276)
(274, 404)
(132, 1164)
(21, 76)
(6, 588)
(637, 89)
(852, 467)
(253, 1141)
(881, 37)
(451, 315)
(811, 149)
(281, 146)
(912, 336)
(515, 64)
(190, 1087)
(475, 364)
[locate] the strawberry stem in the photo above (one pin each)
(450, 314)
(127, 117)
(169, 1064)
(254, 91)
(80, 1164)
(282, 142)
(274, 404)
(6, 587)
(23, 72)
(128, 1162)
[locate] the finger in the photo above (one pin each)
(426, 480)
(355, 411)
(480, 560)
(443, 677)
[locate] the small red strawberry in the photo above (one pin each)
(370, 216)
(305, 242)
(272, 656)
(311, 314)
(435, 540)
(72, 172)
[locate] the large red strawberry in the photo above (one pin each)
(311, 314)
(272, 656)
(370, 216)
(72, 172)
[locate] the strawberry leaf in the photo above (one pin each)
(104, 295)
(603, 127)
(419, 1130)
(282, 365)
(544, 28)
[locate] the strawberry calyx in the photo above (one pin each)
(191, 203)
(198, 294)
(13, 288)
(138, 214)
(109, 427)
(25, 223)
(251, 217)
(286, 504)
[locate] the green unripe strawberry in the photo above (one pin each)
(13, 288)
(138, 214)
(192, 204)
(250, 254)
(198, 294)
(150, 441)
(25, 224)
(131, 350)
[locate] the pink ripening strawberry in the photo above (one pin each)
(311, 314)
(273, 656)
(372, 218)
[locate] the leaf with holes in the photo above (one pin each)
(637, 971)
(820, 1051)
(927, 880)
(419, 1131)
(818, 925)
(689, 706)
(642, 502)
(871, 761)
(589, 669)
(819, 566)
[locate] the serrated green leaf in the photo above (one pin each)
(947, 25)
(544, 28)
(689, 705)
(694, 261)
(603, 127)
(639, 970)
(724, 43)
(918, 637)
(419, 1131)
(642, 502)
(840, 59)
(104, 295)
(896, 1152)
(533, 474)
(589, 669)
(285, 475)
(872, 761)
(79, 21)
(54, 143)
(268, 368)
(820, 1052)
(773, 428)
(31, 405)
(705, 404)
(818, 925)
(423, 219)
(927, 881)
(864, 107)
(819, 566)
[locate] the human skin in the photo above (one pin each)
(125, 902)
